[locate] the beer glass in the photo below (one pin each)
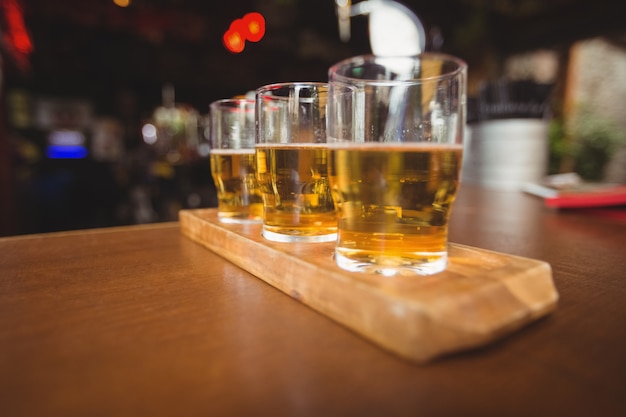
(292, 162)
(396, 149)
(233, 166)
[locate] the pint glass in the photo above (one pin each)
(292, 162)
(395, 160)
(233, 166)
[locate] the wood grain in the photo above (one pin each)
(482, 296)
(143, 321)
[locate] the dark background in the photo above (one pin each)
(119, 59)
(92, 48)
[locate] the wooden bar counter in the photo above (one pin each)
(143, 321)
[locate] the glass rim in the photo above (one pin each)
(265, 90)
(461, 68)
(238, 101)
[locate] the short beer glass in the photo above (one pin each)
(233, 165)
(292, 162)
(396, 149)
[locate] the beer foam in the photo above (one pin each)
(292, 145)
(249, 151)
(395, 146)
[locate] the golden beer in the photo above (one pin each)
(296, 192)
(238, 194)
(394, 204)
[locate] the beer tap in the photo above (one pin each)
(394, 31)
(393, 28)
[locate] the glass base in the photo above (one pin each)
(239, 220)
(417, 264)
(295, 237)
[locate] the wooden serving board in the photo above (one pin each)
(481, 296)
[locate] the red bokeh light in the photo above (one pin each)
(233, 41)
(16, 33)
(250, 28)
(255, 26)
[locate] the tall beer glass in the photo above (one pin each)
(396, 160)
(292, 162)
(233, 165)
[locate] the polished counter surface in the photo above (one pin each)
(141, 320)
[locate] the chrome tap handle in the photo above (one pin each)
(393, 28)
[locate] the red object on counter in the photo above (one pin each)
(603, 197)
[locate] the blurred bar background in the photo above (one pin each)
(104, 103)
